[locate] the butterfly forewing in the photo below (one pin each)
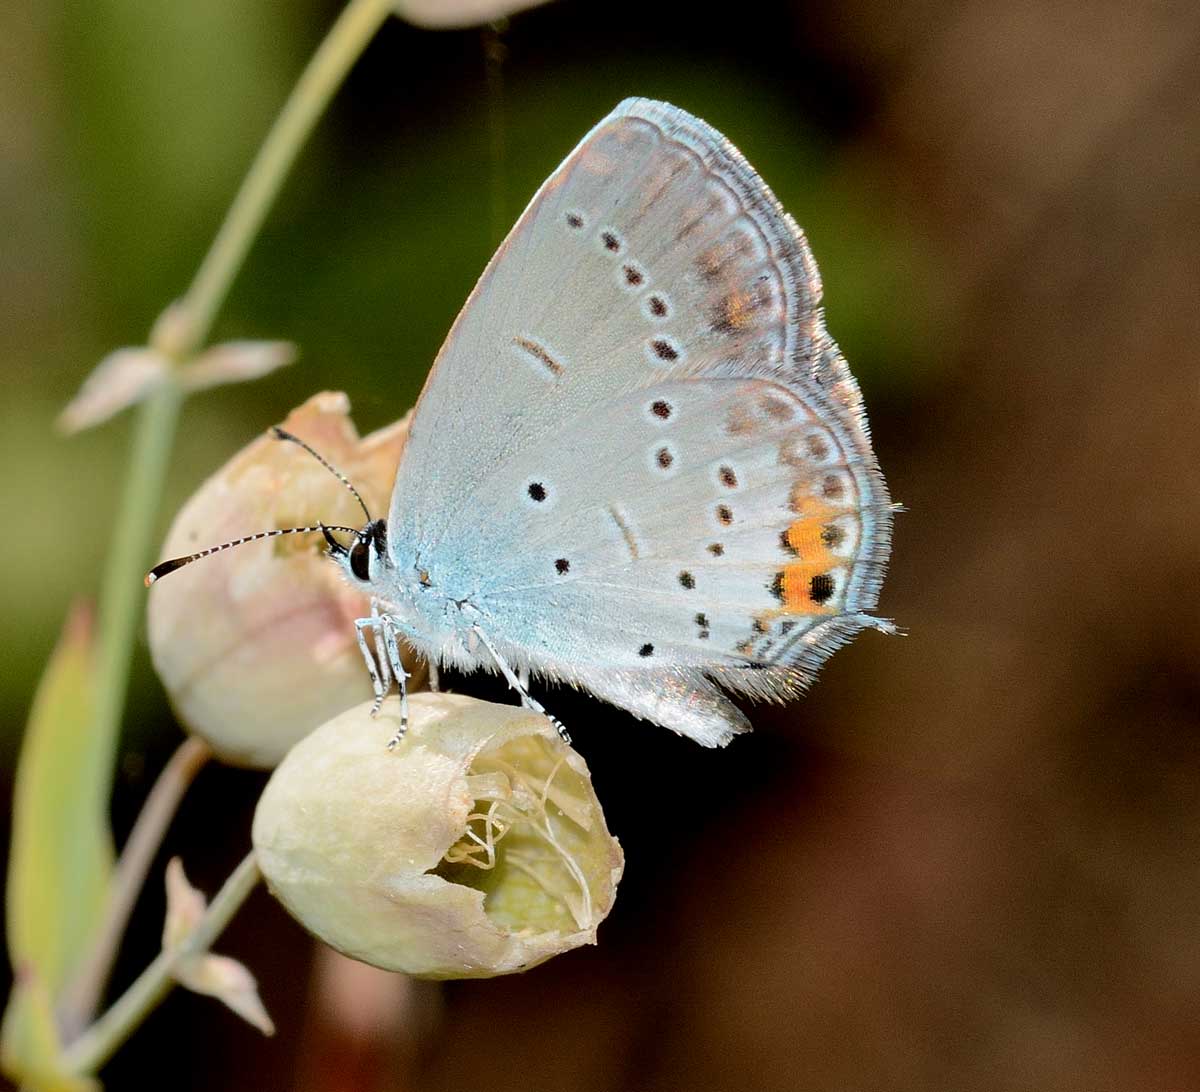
(639, 454)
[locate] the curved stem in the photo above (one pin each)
(179, 334)
(121, 594)
(83, 995)
(335, 56)
(96, 1045)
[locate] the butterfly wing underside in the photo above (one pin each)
(639, 454)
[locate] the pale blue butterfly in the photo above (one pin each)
(639, 465)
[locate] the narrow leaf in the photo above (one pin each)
(62, 852)
(185, 906)
(30, 1050)
(229, 981)
(236, 362)
(122, 378)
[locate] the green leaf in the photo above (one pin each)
(30, 1048)
(62, 852)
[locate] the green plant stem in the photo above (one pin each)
(121, 594)
(96, 1045)
(83, 994)
(183, 333)
(335, 56)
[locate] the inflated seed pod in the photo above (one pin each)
(476, 848)
(256, 645)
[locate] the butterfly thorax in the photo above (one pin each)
(432, 610)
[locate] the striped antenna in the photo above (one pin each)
(280, 434)
(164, 567)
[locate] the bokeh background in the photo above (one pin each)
(970, 859)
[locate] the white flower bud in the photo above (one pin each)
(447, 14)
(256, 645)
(477, 847)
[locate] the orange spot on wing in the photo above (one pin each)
(735, 311)
(796, 587)
(808, 506)
(804, 536)
(803, 586)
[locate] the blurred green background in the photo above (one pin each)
(968, 859)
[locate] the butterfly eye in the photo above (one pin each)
(360, 559)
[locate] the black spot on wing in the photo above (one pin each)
(832, 535)
(540, 354)
(663, 349)
(821, 588)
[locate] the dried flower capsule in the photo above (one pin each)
(256, 646)
(475, 848)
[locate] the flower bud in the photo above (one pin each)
(256, 645)
(448, 14)
(475, 848)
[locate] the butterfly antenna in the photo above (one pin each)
(281, 434)
(164, 567)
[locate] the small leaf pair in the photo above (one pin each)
(127, 376)
(203, 972)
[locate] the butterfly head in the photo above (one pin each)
(363, 561)
(365, 558)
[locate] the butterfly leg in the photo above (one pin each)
(392, 649)
(435, 682)
(381, 654)
(377, 667)
(515, 683)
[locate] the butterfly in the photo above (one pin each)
(639, 465)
